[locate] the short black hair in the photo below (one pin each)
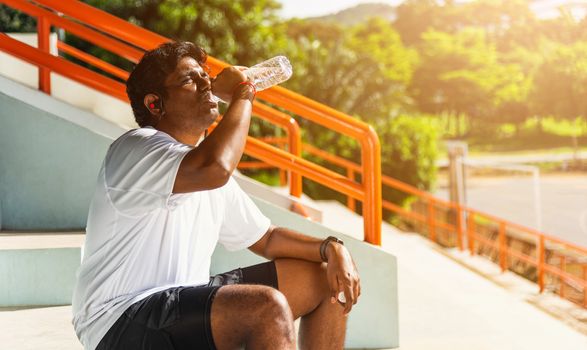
(148, 76)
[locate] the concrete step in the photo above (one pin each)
(38, 268)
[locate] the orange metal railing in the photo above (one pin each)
(129, 41)
(555, 262)
(548, 250)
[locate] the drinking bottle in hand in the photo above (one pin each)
(268, 73)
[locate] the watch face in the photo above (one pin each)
(334, 239)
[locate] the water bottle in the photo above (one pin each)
(274, 71)
(264, 75)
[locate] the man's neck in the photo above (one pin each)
(188, 136)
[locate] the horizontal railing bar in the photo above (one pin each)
(332, 158)
(278, 140)
(285, 160)
(63, 67)
(316, 112)
(564, 275)
(485, 241)
(523, 257)
(106, 22)
(445, 225)
(96, 62)
(395, 208)
(123, 50)
(254, 165)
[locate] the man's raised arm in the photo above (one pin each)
(211, 164)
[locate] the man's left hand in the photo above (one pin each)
(342, 275)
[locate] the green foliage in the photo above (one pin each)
(12, 21)
(573, 127)
(464, 74)
(409, 153)
(378, 40)
(454, 73)
(240, 32)
(362, 72)
(561, 82)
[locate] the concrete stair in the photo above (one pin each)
(38, 268)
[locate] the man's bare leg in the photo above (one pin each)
(257, 317)
(323, 324)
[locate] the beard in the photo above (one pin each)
(207, 110)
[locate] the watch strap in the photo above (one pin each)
(324, 245)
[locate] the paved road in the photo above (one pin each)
(564, 202)
(540, 157)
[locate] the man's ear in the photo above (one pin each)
(153, 104)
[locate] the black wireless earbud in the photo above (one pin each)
(157, 104)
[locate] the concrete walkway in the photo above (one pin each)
(443, 305)
(38, 328)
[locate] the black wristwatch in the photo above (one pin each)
(325, 244)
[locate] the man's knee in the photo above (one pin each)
(247, 312)
(274, 314)
(273, 302)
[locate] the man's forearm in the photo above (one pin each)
(341, 271)
(226, 144)
(286, 243)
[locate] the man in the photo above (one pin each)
(160, 207)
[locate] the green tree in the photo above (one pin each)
(377, 39)
(462, 74)
(415, 17)
(239, 32)
(363, 72)
(561, 86)
(452, 74)
(409, 153)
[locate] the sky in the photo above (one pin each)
(312, 8)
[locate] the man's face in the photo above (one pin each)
(190, 95)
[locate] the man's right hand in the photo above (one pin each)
(224, 84)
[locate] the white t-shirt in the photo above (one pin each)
(141, 238)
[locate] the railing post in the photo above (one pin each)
(563, 268)
(371, 183)
(431, 219)
(471, 231)
(295, 148)
(43, 43)
(585, 285)
(351, 204)
(502, 247)
(541, 262)
(460, 227)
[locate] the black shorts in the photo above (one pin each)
(179, 318)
